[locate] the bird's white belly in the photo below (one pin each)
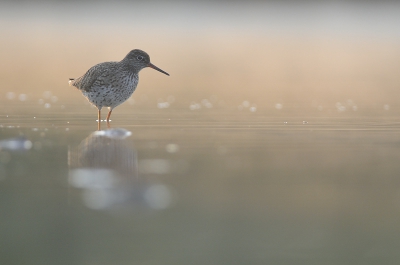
(112, 95)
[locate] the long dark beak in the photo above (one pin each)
(156, 68)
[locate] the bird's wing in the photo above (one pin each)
(86, 81)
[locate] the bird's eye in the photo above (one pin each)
(139, 57)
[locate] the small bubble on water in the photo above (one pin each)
(355, 108)
(162, 105)
(340, 107)
(47, 105)
(386, 107)
(245, 104)
(67, 129)
(10, 95)
(305, 122)
(194, 106)
(285, 122)
(278, 106)
(117, 133)
(40, 101)
(22, 97)
(253, 109)
(54, 99)
(35, 129)
(206, 103)
(172, 148)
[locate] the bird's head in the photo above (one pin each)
(139, 59)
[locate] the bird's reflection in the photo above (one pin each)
(105, 166)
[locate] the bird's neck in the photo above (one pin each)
(129, 67)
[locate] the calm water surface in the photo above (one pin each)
(276, 139)
(177, 187)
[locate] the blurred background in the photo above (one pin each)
(275, 139)
(307, 55)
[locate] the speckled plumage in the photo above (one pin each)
(109, 84)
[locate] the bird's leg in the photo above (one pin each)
(98, 119)
(108, 118)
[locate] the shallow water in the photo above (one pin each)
(274, 141)
(215, 188)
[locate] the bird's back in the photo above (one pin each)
(101, 70)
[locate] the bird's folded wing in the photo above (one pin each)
(86, 82)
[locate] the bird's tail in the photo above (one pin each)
(71, 81)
